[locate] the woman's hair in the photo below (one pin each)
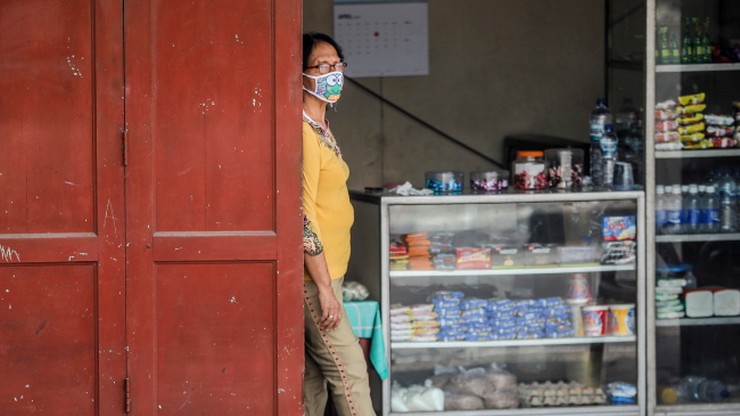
(310, 40)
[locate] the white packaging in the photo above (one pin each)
(727, 302)
(699, 304)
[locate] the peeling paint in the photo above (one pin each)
(73, 66)
(206, 105)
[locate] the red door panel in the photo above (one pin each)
(62, 334)
(213, 209)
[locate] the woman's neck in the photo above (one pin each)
(315, 109)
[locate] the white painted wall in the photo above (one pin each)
(497, 67)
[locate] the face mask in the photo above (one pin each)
(327, 87)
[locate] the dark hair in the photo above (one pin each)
(310, 40)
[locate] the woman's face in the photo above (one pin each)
(322, 53)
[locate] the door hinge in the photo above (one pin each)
(127, 395)
(124, 142)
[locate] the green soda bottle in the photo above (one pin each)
(664, 50)
(698, 43)
(706, 43)
(687, 43)
(675, 57)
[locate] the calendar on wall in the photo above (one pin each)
(383, 38)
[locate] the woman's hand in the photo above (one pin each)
(331, 309)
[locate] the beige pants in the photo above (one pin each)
(333, 357)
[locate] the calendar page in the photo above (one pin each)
(383, 39)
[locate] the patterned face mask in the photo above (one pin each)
(327, 87)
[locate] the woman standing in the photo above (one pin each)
(333, 354)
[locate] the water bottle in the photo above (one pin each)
(660, 216)
(702, 389)
(692, 207)
(726, 188)
(684, 208)
(608, 144)
(600, 121)
(710, 211)
(673, 211)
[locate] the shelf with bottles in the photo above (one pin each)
(512, 271)
(667, 68)
(715, 320)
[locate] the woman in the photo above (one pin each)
(333, 354)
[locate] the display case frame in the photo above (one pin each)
(370, 266)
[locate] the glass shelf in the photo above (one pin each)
(715, 320)
(516, 342)
(530, 270)
(685, 154)
(688, 238)
(732, 66)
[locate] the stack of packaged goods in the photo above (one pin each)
(619, 235)
(417, 323)
(442, 250)
(474, 321)
(668, 304)
(720, 131)
(529, 318)
(447, 307)
(418, 249)
(399, 255)
(691, 122)
(683, 125)
(666, 126)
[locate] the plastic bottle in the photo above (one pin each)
(726, 188)
(659, 208)
(609, 144)
(692, 207)
(701, 389)
(706, 58)
(673, 211)
(710, 211)
(600, 121)
(687, 42)
(684, 208)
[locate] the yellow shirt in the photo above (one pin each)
(326, 203)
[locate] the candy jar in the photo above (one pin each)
(564, 168)
(528, 170)
(489, 181)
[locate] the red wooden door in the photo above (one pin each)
(214, 294)
(62, 333)
(168, 256)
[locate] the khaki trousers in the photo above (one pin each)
(333, 358)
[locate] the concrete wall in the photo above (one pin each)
(497, 67)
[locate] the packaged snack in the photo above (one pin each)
(692, 99)
(690, 109)
(666, 105)
(692, 138)
(666, 137)
(669, 146)
(619, 228)
(473, 257)
(667, 125)
(692, 128)
(720, 131)
(719, 119)
(668, 114)
(691, 118)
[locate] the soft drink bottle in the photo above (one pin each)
(600, 121)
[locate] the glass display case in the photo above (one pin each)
(507, 303)
(685, 56)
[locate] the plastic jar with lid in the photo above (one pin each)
(528, 170)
